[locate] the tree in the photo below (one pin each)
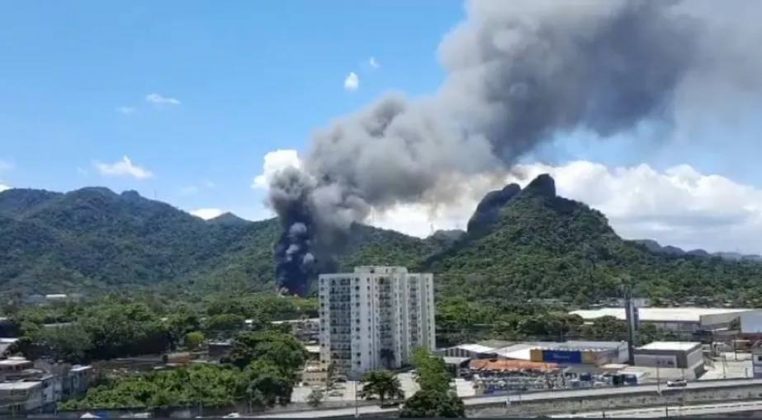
(194, 340)
(432, 371)
(69, 343)
(315, 398)
(435, 398)
(430, 403)
(381, 383)
(282, 350)
(223, 324)
(268, 384)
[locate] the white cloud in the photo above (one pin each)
(207, 214)
(4, 187)
(125, 110)
(352, 82)
(156, 99)
(123, 167)
(678, 206)
(373, 63)
(274, 162)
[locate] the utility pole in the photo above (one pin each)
(357, 409)
(658, 378)
(631, 317)
(724, 373)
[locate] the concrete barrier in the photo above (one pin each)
(576, 404)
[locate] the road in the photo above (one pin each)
(671, 411)
(571, 393)
(337, 412)
(487, 400)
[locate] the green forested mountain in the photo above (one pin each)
(523, 244)
(94, 240)
(546, 247)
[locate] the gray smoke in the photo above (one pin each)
(518, 74)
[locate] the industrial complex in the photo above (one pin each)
(683, 319)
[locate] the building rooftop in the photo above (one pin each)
(14, 361)
(476, 348)
(582, 345)
(380, 269)
(512, 366)
(687, 314)
(454, 360)
(521, 351)
(670, 345)
(292, 321)
(15, 386)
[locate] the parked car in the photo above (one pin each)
(677, 382)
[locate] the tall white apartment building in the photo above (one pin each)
(374, 318)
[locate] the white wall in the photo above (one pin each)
(751, 322)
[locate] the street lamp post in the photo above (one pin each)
(357, 409)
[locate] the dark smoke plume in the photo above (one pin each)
(518, 73)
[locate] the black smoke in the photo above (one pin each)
(518, 73)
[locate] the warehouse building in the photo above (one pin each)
(685, 320)
(595, 353)
(672, 355)
(470, 351)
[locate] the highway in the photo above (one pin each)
(671, 411)
(531, 396)
(592, 392)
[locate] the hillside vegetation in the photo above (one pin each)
(521, 245)
(93, 240)
(546, 247)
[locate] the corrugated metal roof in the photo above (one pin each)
(687, 314)
(670, 345)
(513, 366)
(476, 348)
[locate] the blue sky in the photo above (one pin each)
(196, 93)
(250, 77)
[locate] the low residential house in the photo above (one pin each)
(70, 380)
(17, 398)
(15, 368)
(306, 330)
(7, 346)
(77, 381)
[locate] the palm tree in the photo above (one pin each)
(383, 384)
